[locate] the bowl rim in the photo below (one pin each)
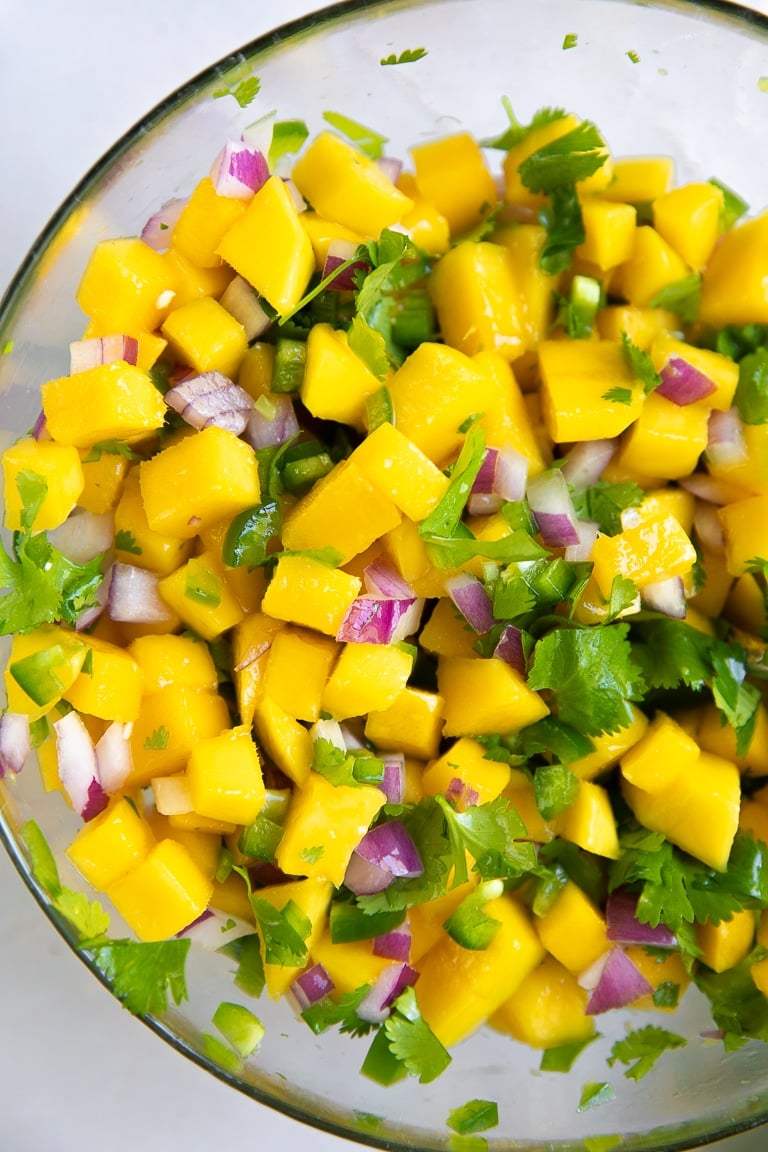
(736, 14)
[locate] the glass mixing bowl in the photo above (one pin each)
(675, 78)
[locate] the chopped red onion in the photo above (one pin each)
(391, 167)
(134, 598)
(726, 446)
(485, 478)
(113, 756)
(242, 302)
(395, 945)
(625, 928)
(15, 742)
(389, 984)
(707, 488)
(271, 425)
(510, 648)
(587, 532)
(620, 984)
(84, 535)
(297, 199)
(382, 579)
(40, 428)
(586, 462)
(85, 354)
(472, 600)
(511, 476)
(157, 230)
(552, 507)
(708, 527)
(311, 986)
(238, 171)
(389, 846)
(667, 596)
(462, 794)
(77, 767)
(393, 780)
(211, 399)
(682, 383)
(375, 620)
(212, 930)
(339, 251)
(364, 878)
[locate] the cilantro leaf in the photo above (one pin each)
(738, 1006)
(618, 395)
(666, 994)
(623, 596)
(564, 223)
(604, 503)
(349, 768)
(494, 836)
(591, 673)
(142, 975)
(444, 520)
(555, 789)
(87, 917)
(370, 142)
(287, 138)
(683, 298)
(733, 205)
(157, 741)
(425, 823)
(751, 397)
(640, 364)
(407, 56)
(329, 1012)
(370, 346)
(244, 87)
(641, 1049)
(474, 1116)
(395, 265)
(110, 448)
(246, 952)
(594, 1093)
(564, 160)
(284, 931)
(413, 1042)
(125, 541)
(516, 132)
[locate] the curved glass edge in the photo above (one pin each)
(656, 1140)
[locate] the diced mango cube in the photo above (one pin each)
(203, 847)
(286, 741)
(297, 670)
(204, 335)
(573, 930)
(666, 440)
(193, 282)
(733, 282)
(479, 304)
(663, 753)
(367, 677)
(163, 894)
(452, 174)
(547, 1010)
(170, 724)
(638, 179)
(224, 776)
(336, 381)
(745, 527)
(447, 633)
(609, 748)
(425, 225)
(688, 218)
(398, 468)
(112, 686)
(251, 639)
(723, 945)
(653, 266)
(412, 724)
(199, 595)
(126, 287)
(714, 736)
(138, 544)
(203, 221)
(609, 233)
(103, 475)
(466, 761)
(58, 465)
(39, 687)
(306, 591)
(179, 660)
(640, 324)
(112, 844)
(525, 244)
(113, 401)
(590, 822)
(577, 379)
(485, 696)
(659, 968)
(653, 550)
(256, 369)
(312, 897)
(348, 965)
(322, 233)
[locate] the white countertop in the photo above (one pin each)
(77, 1072)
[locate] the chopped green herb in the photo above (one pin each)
(642, 1048)
(562, 1058)
(564, 160)
(565, 229)
(283, 930)
(369, 142)
(142, 975)
(570, 41)
(640, 364)
(287, 138)
(516, 132)
(577, 311)
(633, 56)
(246, 952)
(370, 346)
(604, 502)
(618, 395)
(594, 1093)
(110, 448)
(494, 836)
(623, 597)
(683, 298)
(738, 1006)
(474, 1116)
(733, 205)
(555, 789)
(125, 541)
(408, 56)
(244, 87)
(157, 741)
(413, 1042)
(329, 1012)
(667, 994)
(751, 397)
(313, 854)
(378, 409)
(341, 767)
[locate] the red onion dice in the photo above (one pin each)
(393, 781)
(15, 742)
(364, 877)
(623, 927)
(586, 462)
(472, 600)
(395, 945)
(726, 446)
(242, 302)
(462, 794)
(390, 983)
(682, 383)
(620, 984)
(587, 531)
(510, 649)
(84, 535)
(77, 767)
(85, 354)
(511, 474)
(211, 399)
(312, 986)
(667, 596)
(382, 579)
(339, 251)
(374, 620)
(389, 846)
(134, 598)
(552, 508)
(238, 171)
(157, 230)
(113, 756)
(271, 424)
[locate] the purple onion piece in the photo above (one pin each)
(393, 781)
(157, 230)
(726, 446)
(238, 171)
(133, 597)
(462, 794)
(267, 431)
(97, 350)
(483, 503)
(391, 167)
(557, 529)
(372, 620)
(395, 945)
(15, 742)
(708, 527)
(586, 462)
(211, 399)
(364, 878)
(389, 846)
(587, 532)
(77, 767)
(623, 927)
(682, 383)
(242, 302)
(312, 986)
(511, 475)
(382, 579)
(510, 648)
(113, 756)
(390, 983)
(552, 508)
(40, 428)
(339, 251)
(472, 600)
(620, 984)
(485, 478)
(667, 596)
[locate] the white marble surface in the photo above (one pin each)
(76, 1071)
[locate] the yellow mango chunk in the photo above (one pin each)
(733, 283)
(112, 686)
(269, 248)
(660, 756)
(250, 648)
(479, 304)
(322, 233)
(205, 336)
(332, 818)
(653, 265)
(745, 527)
(698, 811)
(609, 748)
(515, 191)
(573, 930)
(224, 777)
(447, 633)
(297, 670)
(666, 502)
(336, 381)
(256, 369)
(203, 847)
(367, 677)
(126, 287)
(112, 844)
(193, 282)
(452, 174)
(231, 897)
(547, 1009)
(348, 965)
(652, 550)
(113, 401)
(203, 221)
(343, 185)
(344, 508)
(178, 660)
(199, 596)
(745, 604)
(666, 440)
(465, 760)
(609, 233)
(638, 179)
(590, 823)
(163, 894)
(407, 551)
(749, 476)
(576, 376)
(169, 725)
(688, 218)
(412, 724)
(427, 227)
(459, 989)
(398, 468)
(58, 465)
(714, 736)
(658, 968)
(640, 324)
(723, 945)
(313, 898)
(305, 591)
(103, 476)
(67, 655)
(138, 544)
(485, 696)
(204, 478)
(286, 741)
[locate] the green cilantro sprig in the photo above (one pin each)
(641, 1049)
(413, 1042)
(407, 56)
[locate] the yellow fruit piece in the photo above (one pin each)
(640, 324)
(723, 945)
(313, 898)
(525, 243)
(285, 740)
(126, 287)
(479, 304)
(179, 660)
(203, 847)
(745, 604)
(459, 989)
(515, 191)
(745, 527)
(610, 233)
(256, 369)
(171, 722)
(666, 502)
(447, 633)
(759, 971)
(666, 440)
(103, 475)
(658, 968)
(305, 591)
(163, 894)
(251, 639)
(343, 508)
(547, 1009)
(345, 186)
(660, 756)
(66, 664)
(204, 478)
(521, 795)
(111, 688)
(332, 818)
(110, 402)
(336, 381)
(427, 920)
(205, 336)
(433, 392)
(573, 930)
(412, 724)
(452, 174)
(203, 221)
(653, 265)
(689, 218)
(49, 766)
(465, 760)
(653, 550)
(269, 248)
(576, 378)
(733, 282)
(609, 748)
(638, 179)
(367, 677)
(714, 736)
(110, 845)
(721, 370)
(749, 476)
(590, 823)
(224, 777)
(194, 822)
(246, 584)
(231, 898)
(193, 282)
(348, 965)
(698, 811)
(427, 227)
(198, 594)
(322, 233)
(712, 599)
(297, 670)
(138, 544)
(394, 464)
(407, 551)
(58, 466)
(485, 696)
